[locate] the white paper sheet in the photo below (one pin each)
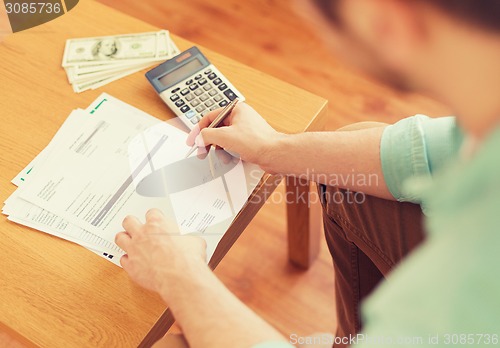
(121, 161)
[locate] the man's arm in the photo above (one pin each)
(350, 160)
(174, 266)
(211, 316)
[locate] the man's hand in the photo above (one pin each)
(244, 132)
(156, 255)
(174, 266)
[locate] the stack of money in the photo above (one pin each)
(94, 62)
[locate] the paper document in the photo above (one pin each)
(112, 160)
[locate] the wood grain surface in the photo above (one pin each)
(269, 36)
(55, 293)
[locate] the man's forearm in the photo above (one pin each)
(210, 315)
(349, 159)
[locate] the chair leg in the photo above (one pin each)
(304, 222)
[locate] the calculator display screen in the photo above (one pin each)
(181, 73)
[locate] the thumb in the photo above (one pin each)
(215, 136)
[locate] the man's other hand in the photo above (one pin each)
(156, 254)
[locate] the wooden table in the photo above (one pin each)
(54, 293)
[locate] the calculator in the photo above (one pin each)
(191, 86)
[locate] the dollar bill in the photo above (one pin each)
(92, 62)
(77, 76)
(94, 84)
(109, 49)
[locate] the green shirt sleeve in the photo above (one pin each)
(417, 146)
(446, 292)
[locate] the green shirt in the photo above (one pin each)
(448, 290)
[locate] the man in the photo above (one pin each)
(446, 291)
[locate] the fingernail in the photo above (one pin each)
(199, 141)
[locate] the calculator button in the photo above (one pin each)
(215, 107)
(204, 97)
(209, 103)
(207, 87)
(230, 94)
(198, 92)
(194, 120)
(223, 103)
(195, 103)
(212, 92)
(208, 71)
(174, 97)
(218, 98)
(200, 108)
(197, 77)
(179, 103)
(223, 87)
(176, 90)
(190, 114)
(185, 91)
(202, 82)
(185, 108)
(212, 76)
(205, 112)
(217, 81)
(193, 87)
(190, 81)
(190, 97)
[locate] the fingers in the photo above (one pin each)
(224, 156)
(161, 225)
(123, 240)
(202, 152)
(131, 224)
(204, 123)
(156, 222)
(155, 215)
(208, 118)
(211, 136)
(124, 262)
(215, 136)
(192, 135)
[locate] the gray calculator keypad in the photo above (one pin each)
(202, 95)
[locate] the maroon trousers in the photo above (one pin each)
(367, 237)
